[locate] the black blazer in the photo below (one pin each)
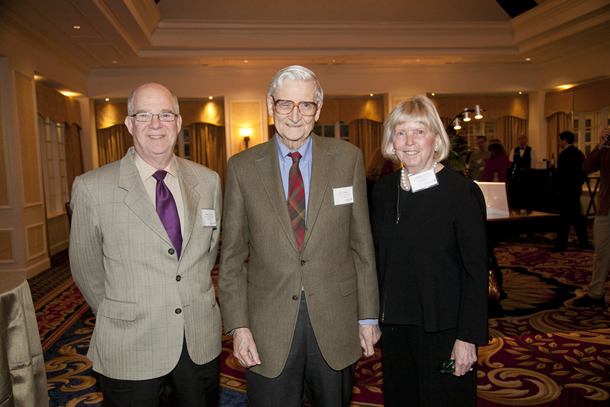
(431, 254)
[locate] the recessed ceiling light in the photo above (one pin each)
(370, 94)
(210, 97)
(107, 99)
(77, 27)
(521, 93)
(245, 61)
(433, 94)
(528, 59)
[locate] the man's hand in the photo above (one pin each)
(465, 356)
(244, 348)
(369, 335)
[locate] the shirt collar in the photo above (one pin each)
(283, 151)
(146, 170)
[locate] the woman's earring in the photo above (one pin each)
(436, 147)
(394, 151)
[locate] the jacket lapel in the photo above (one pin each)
(191, 199)
(321, 167)
(268, 167)
(137, 198)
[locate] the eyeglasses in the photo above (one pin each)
(147, 117)
(287, 106)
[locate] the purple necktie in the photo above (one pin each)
(168, 212)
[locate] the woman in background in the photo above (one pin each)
(429, 233)
(497, 164)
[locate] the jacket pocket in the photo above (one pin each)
(125, 311)
(348, 286)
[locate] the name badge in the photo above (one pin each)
(208, 218)
(423, 180)
(343, 196)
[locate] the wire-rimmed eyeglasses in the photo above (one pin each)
(287, 106)
(147, 116)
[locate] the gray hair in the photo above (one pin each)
(130, 109)
(295, 73)
(418, 109)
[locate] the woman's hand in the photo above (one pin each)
(465, 356)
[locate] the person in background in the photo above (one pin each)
(143, 243)
(570, 177)
(297, 281)
(497, 164)
(431, 250)
(599, 160)
(378, 167)
(476, 163)
(523, 156)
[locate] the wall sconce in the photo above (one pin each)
(246, 133)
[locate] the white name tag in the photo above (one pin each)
(423, 180)
(208, 218)
(343, 196)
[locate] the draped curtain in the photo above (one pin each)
(112, 143)
(208, 147)
(367, 135)
(556, 123)
(74, 156)
(508, 129)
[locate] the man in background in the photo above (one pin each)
(570, 177)
(143, 243)
(523, 156)
(599, 160)
(477, 160)
(296, 206)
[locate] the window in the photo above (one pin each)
(182, 147)
(338, 130)
(587, 126)
(52, 137)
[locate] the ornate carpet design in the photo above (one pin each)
(543, 352)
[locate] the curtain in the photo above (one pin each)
(508, 129)
(112, 143)
(367, 135)
(74, 156)
(208, 147)
(556, 123)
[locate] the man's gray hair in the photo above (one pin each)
(295, 73)
(133, 93)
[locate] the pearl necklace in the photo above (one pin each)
(403, 178)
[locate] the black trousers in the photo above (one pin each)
(410, 359)
(570, 214)
(187, 385)
(305, 373)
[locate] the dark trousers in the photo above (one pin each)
(410, 359)
(305, 373)
(570, 214)
(188, 385)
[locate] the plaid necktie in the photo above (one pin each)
(168, 212)
(296, 199)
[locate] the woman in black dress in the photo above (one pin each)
(429, 232)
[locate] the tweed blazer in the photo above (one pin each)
(336, 268)
(124, 263)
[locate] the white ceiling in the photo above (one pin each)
(139, 33)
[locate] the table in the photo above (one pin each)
(23, 380)
(518, 222)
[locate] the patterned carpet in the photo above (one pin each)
(543, 352)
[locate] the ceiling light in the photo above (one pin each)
(433, 94)
(77, 27)
(68, 93)
(210, 97)
(478, 114)
(457, 124)
(114, 62)
(107, 99)
(521, 93)
(528, 59)
(245, 61)
(370, 94)
(566, 86)
(466, 115)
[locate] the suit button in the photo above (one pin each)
(171, 251)
(178, 311)
(302, 262)
(178, 278)
(294, 297)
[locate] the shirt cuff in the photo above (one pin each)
(368, 322)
